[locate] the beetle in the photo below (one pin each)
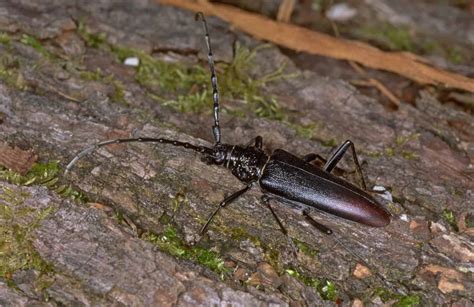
(281, 175)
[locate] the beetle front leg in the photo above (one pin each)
(224, 203)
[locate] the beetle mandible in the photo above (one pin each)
(281, 175)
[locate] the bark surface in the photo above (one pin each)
(135, 241)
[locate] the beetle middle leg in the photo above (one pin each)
(266, 201)
(224, 203)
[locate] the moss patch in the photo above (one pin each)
(36, 44)
(10, 72)
(399, 148)
(5, 39)
(187, 88)
(97, 75)
(17, 223)
(91, 39)
(192, 83)
(305, 248)
(391, 37)
(170, 242)
(401, 300)
(449, 217)
(402, 38)
(326, 288)
(45, 174)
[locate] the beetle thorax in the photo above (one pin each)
(246, 163)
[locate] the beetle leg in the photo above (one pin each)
(319, 226)
(266, 200)
(224, 203)
(312, 156)
(257, 142)
(338, 154)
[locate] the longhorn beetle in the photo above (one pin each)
(281, 175)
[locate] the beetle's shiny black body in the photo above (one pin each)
(289, 177)
(280, 175)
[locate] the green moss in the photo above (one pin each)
(329, 143)
(469, 220)
(326, 288)
(187, 88)
(91, 75)
(178, 200)
(455, 55)
(36, 44)
(384, 294)
(401, 300)
(45, 174)
(17, 223)
(171, 243)
(272, 256)
(449, 217)
(305, 131)
(374, 154)
(394, 38)
(408, 155)
(92, 40)
(119, 88)
(305, 248)
(398, 147)
(404, 39)
(268, 108)
(239, 234)
(119, 91)
(408, 301)
(10, 72)
(190, 85)
(5, 39)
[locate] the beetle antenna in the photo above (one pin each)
(216, 130)
(85, 151)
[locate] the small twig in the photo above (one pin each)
(285, 10)
(370, 81)
(302, 39)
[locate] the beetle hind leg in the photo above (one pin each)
(312, 156)
(324, 229)
(337, 156)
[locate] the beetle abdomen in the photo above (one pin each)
(287, 176)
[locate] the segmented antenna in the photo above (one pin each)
(201, 149)
(216, 130)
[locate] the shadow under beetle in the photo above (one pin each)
(281, 175)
